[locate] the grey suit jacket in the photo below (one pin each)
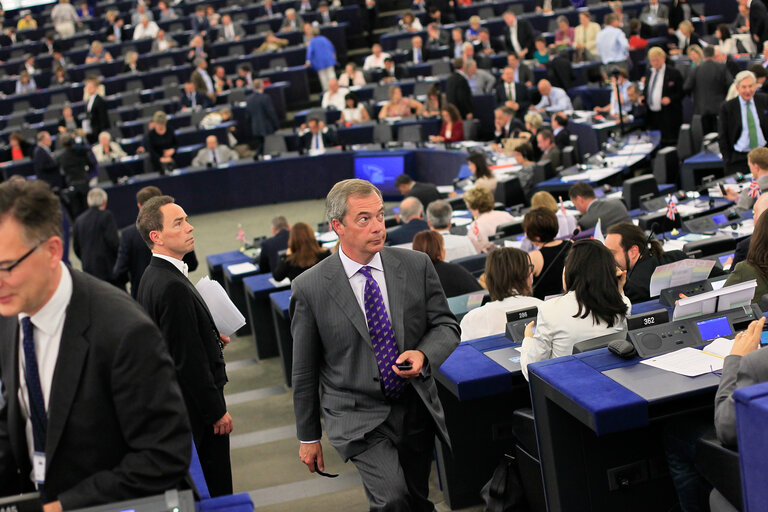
(609, 211)
(663, 11)
(738, 372)
(486, 83)
(709, 83)
(334, 368)
(204, 156)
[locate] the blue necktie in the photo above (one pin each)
(37, 413)
(382, 335)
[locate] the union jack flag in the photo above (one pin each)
(671, 209)
(754, 190)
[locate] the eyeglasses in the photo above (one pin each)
(6, 271)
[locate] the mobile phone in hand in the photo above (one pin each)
(405, 366)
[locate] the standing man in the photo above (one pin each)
(190, 334)
(664, 97)
(321, 56)
(457, 91)
(96, 107)
(202, 80)
(263, 116)
(44, 164)
(758, 21)
(518, 35)
(95, 239)
(742, 125)
(709, 83)
(355, 317)
(612, 44)
(91, 399)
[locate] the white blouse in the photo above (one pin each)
(492, 318)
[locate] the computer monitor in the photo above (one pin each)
(381, 171)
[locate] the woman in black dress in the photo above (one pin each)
(541, 226)
(303, 252)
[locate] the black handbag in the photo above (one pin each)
(504, 491)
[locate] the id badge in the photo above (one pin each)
(38, 467)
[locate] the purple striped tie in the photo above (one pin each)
(382, 335)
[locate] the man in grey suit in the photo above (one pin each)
(609, 211)
(484, 82)
(263, 116)
(213, 154)
(654, 12)
(370, 324)
(709, 83)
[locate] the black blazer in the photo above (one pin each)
(95, 241)
(524, 36)
(563, 138)
(456, 280)
(672, 114)
(676, 14)
(74, 164)
(99, 118)
(458, 93)
(46, 168)
(424, 192)
(521, 96)
(287, 269)
(133, 257)
(117, 426)
(709, 83)
(192, 339)
(405, 233)
(729, 123)
(758, 22)
(560, 72)
(202, 100)
(262, 114)
(140, 67)
(269, 259)
(329, 139)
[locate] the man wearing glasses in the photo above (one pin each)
(92, 412)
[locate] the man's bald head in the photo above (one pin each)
(411, 208)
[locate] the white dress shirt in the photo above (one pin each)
(742, 144)
(48, 327)
(557, 331)
(180, 265)
(513, 38)
(207, 80)
(357, 280)
(556, 101)
(373, 62)
(612, 45)
(335, 100)
(492, 318)
(654, 100)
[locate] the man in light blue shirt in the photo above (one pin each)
(612, 44)
(553, 99)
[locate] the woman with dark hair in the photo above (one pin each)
(435, 101)
(725, 41)
(303, 252)
(541, 226)
(509, 279)
(452, 129)
(594, 305)
(18, 146)
(483, 176)
(354, 112)
(756, 264)
(456, 280)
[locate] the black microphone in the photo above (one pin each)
(566, 243)
(654, 227)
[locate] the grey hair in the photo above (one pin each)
(105, 134)
(96, 197)
(336, 201)
(279, 223)
(439, 214)
(410, 208)
(742, 75)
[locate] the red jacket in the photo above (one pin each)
(457, 131)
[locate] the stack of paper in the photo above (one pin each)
(226, 316)
(686, 361)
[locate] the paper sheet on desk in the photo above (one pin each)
(591, 175)
(720, 347)
(674, 245)
(679, 272)
(279, 284)
(636, 149)
(445, 189)
(242, 268)
(686, 361)
(226, 316)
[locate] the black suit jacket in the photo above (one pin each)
(133, 257)
(140, 67)
(729, 123)
(455, 279)
(672, 114)
(202, 100)
(95, 241)
(758, 22)
(192, 339)
(638, 286)
(458, 93)
(329, 139)
(99, 118)
(269, 259)
(405, 233)
(46, 168)
(521, 96)
(560, 72)
(262, 113)
(524, 36)
(117, 426)
(424, 192)
(563, 138)
(74, 164)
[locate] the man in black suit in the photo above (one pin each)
(737, 137)
(133, 255)
(560, 130)
(270, 247)
(95, 239)
(101, 411)
(512, 94)
(708, 83)
(315, 136)
(663, 97)
(417, 54)
(44, 164)
(263, 116)
(424, 192)
(518, 36)
(193, 340)
(412, 222)
(435, 37)
(523, 74)
(96, 107)
(505, 124)
(193, 99)
(758, 21)
(457, 90)
(392, 72)
(75, 164)
(485, 49)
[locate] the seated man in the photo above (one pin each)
(424, 192)
(192, 99)
(639, 256)
(213, 154)
(609, 211)
(412, 218)
(376, 59)
(757, 160)
(545, 140)
(439, 218)
(560, 130)
(553, 99)
(269, 258)
(315, 136)
(334, 96)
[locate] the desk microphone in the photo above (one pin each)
(654, 227)
(566, 243)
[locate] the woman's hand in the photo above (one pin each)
(749, 340)
(529, 329)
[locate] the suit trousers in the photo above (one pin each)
(395, 465)
(213, 451)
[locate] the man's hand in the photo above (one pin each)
(622, 275)
(311, 454)
(224, 339)
(415, 357)
(749, 340)
(223, 426)
(731, 194)
(53, 507)
(513, 105)
(666, 101)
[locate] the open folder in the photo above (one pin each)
(226, 316)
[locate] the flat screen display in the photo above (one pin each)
(714, 328)
(381, 171)
(719, 219)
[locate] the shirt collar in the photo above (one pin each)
(744, 103)
(180, 265)
(51, 315)
(352, 267)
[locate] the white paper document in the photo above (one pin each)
(445, 189)
(679, 272)
(226, 316)
(720, 347)
(461, 221)
(280, 284)
(686, 361)
(242, 268)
